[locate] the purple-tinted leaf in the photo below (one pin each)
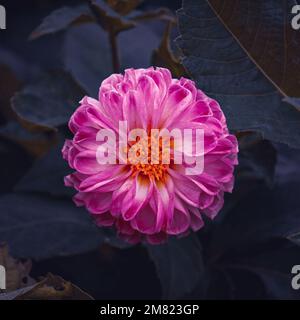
(247, 75)
(49, 102)
(61, 19)
(179, 265)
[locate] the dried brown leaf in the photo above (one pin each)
(54, 288)
(123, 7)
(163, 14)
(17, 272)
(109, 20)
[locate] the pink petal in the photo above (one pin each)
(196, 220)
(137, 197)
(104, 219)
(178, 100)
(119, 195)
(85, 162)
(99, 203)
(157, 238)
(145, 221)
(180, 221)
(185, 188)
(105, 181)
(215, 207)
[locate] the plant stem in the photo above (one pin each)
(114, 52)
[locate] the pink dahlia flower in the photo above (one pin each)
(150, 200)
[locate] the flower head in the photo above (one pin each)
(143, 189)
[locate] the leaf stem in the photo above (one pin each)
(114, 51)
(112, 36)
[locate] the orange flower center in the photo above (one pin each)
(150, 157)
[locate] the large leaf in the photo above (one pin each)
(277, 285)
(87, 54)
(262, 216)
(217, 58)
(37, 143)
(14, 163)
(293, 101)
(163, 56)
(264, 30)
(62, 18)
(41, 227)
(47, 175)
(287, 171)
(49, 102)
(257, 159)
(9, 84)
(248, 253)
(263, 273)
(179, 264)
(287, 168)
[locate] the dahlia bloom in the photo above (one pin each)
(150, 201)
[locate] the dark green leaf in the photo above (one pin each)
(223, 67)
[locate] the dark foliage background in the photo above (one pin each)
(249, 250)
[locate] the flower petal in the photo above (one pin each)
(137, 197)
